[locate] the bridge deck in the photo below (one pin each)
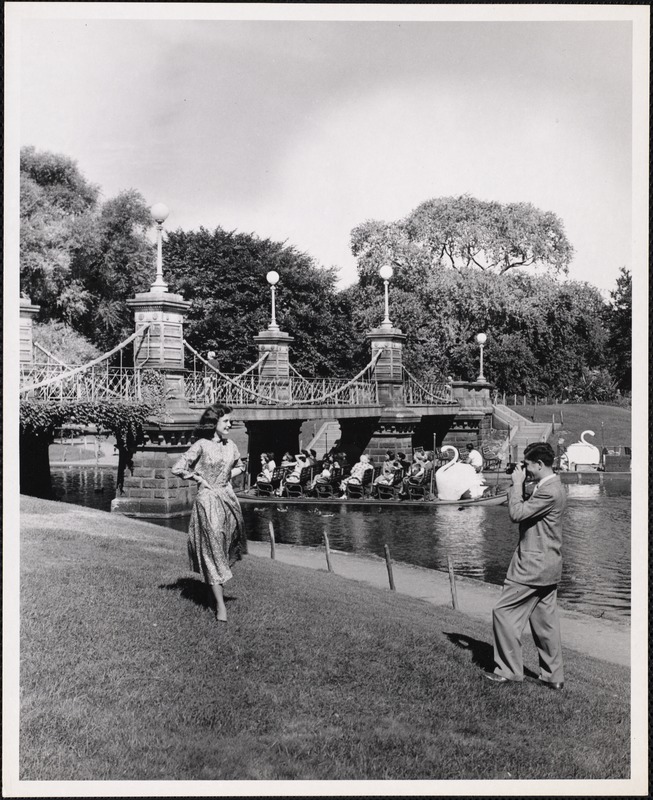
(266, 412)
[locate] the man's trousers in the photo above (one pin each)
(518, 605)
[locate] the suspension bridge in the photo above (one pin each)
(382, 407)
(47, 378)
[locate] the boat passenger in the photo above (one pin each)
(294, 475)
(405, 464)
(387, 468)
(268, 466)
(310, 461)
(416, 473)
(288, 460)
(474, 457)
(357, 472)
(328, 465)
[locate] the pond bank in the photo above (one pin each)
(605, 639)
(601, 638)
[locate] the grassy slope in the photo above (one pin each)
(581, 417)
(126, 675)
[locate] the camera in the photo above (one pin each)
(511, 467)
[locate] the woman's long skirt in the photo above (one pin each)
(216, 534)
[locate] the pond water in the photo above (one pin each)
(596, 552)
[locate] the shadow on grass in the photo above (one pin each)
(194, 590)
(482, 652)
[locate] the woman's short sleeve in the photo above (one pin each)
(184, 466)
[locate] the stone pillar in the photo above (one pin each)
(151, 490)
(396, 426)
(27, 314)
(276, 367)
(388, 371)
(394, 431)
(162, 347)
(473, 421)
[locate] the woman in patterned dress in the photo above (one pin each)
(216, 534)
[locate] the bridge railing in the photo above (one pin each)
(204, 388)
(99, 382)
(425, 394)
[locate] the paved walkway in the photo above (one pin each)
(607, 640)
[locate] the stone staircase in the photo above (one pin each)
(521, 432)
(325, 438)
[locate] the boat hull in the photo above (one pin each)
(251, 497)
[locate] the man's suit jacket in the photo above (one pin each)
(537, 561)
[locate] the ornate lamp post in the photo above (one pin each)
(481, 338)
(273, 278)
(160, 214)
(386, 273)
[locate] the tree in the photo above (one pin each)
(113, 262)
(80, 259)
(462, 232)
(619, 320)
(223, 274)
(55, 201)
(541, 333)
(64, 343)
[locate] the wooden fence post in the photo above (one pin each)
(327, 550)
(452, 583)
(388, 564)
(271, 528)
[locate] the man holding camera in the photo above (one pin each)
(530, 589)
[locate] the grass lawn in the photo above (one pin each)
(125, 675)
(582, 417)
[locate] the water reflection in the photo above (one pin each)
(480, 541)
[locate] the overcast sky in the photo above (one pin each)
(300, 131)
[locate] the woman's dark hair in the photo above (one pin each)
(209, 419)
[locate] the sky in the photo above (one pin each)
(301, 130)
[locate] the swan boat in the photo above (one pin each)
(250, 496)
(453, 480)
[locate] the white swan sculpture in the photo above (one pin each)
(454, 479)
(583, 452)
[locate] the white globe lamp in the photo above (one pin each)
(159, 213)
(386, 273)
(481, 338)
(273, 279)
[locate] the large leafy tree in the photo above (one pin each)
(541, 333)
(223, 274)
(462, 232)
(56, 202)
(114, 261)
(619, 320)
(81, 259)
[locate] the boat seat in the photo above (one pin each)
(419, 489)
(298, 488)
(267, 488)
(389, 491)
(491, 460)
(356, 491)
(330, 488)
